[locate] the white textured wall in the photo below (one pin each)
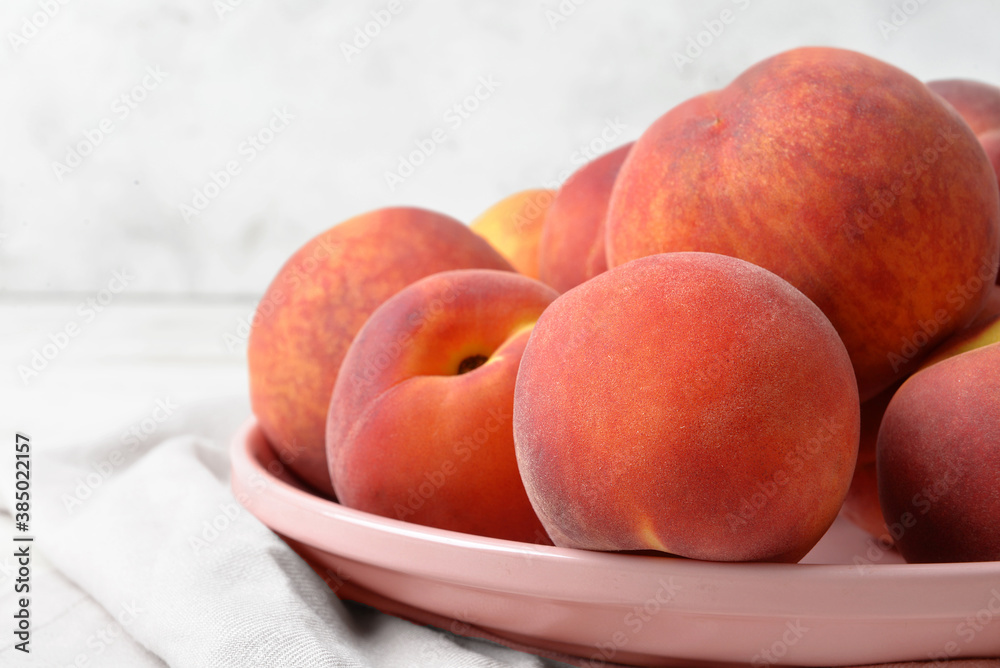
(559, 85)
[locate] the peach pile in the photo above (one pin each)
(866, 192)
(778, 304)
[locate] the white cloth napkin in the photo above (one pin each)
(118, 581)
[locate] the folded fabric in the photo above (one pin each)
(141, 575)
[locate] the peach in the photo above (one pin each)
(983, 331)
(689, 403)
(938, 460)
(840, 173)
(571, 249)
(514, 227)
(976, 101)
(419, 426)
(862, 506)
(318, 301)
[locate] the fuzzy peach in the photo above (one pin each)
(317, 302)
(846, 176)
(689, 403)
(938, 460)
(514, 227)
(419, 427)
(571, 250)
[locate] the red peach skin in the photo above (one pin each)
(938, 459)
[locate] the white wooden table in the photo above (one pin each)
(127, 366)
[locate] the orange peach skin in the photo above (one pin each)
(514, 227)
(318, 301)
(416, 430)
(690, 403)
(842, 174)
(571, 249)
(938, 459)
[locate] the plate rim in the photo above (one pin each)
(249, 438)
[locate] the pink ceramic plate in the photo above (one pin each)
(860, 606)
